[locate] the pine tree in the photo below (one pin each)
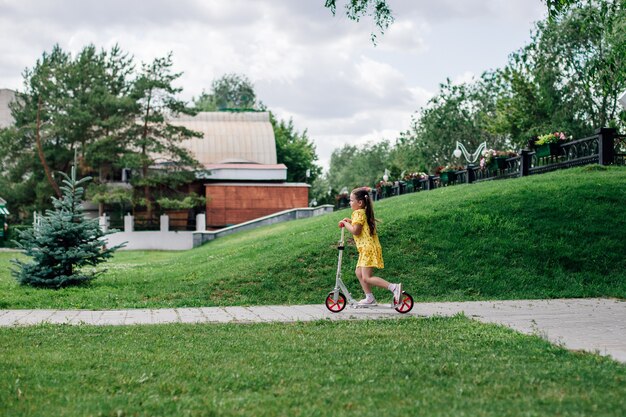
(64, 244)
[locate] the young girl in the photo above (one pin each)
(362, 225)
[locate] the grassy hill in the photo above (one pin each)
(554, 235)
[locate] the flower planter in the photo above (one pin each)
(549, 149)
(416, 184)
(447, 177)
(387, 191)
(501, 162)
(492, 166)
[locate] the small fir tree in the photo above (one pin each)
(63, 243)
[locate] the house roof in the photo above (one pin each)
(232, 138)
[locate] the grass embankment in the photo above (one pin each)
(547, 236)
(416, 367)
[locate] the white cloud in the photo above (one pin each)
(405, 36)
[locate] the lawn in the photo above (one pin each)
(417, 367)
(546, 236)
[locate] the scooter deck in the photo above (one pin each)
(381, 306)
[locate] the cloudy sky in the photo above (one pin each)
(321, 71)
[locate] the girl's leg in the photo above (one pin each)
(369, 297)
(359, 274)
(367, 280)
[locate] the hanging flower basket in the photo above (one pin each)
(447, 177)
(548, 149)
(548, 145)
(501, 162)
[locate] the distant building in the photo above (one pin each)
(244, 180)
(6, 97)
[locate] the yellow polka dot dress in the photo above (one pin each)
(370, 252)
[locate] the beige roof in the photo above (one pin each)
(6, 96)
(231, 137)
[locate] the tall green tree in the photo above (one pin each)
(68, 103)
(569, 76)
(352, 166)
(296, 151)
(456, 113)
(154, 143)
(229, 92)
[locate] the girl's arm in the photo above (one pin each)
(354, 229)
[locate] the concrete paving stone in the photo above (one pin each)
(164, 315)
(86, 317)
(216, 315)
(62, 317)
(268, 314)
(13, 316)
(35, 317)
(294, 314)
(112, 317)
(242, 314)
(313, 310)
(191, 315)
(139, 316)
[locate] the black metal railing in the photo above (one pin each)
(606, 147)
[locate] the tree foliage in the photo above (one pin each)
(569, 76)
(97, 104)
(460, 113)
(379, 10)
(295, 150)
(352, 166)
(383, 17)
(80, 102)
(155, 141)
(229, 92)
(64, 243)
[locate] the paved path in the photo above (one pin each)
(594, 325)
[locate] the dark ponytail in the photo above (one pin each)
(363, 194)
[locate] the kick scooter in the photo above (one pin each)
(340, 296)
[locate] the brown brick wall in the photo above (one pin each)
(233, 204)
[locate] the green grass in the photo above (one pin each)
(547, 236)
(415, 367)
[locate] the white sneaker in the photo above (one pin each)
(366, 302)
(397, 294)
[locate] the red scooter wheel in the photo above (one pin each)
(335, 306)
(406, 303)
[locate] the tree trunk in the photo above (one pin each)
(146, 188)
(42, 157)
